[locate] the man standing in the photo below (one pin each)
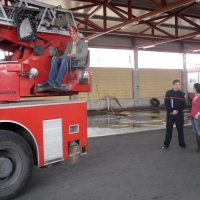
(175, 104)
(76, 51)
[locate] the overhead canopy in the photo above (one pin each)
(159, 25)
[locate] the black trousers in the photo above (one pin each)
(178, 120)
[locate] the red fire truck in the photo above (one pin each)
(37, 132)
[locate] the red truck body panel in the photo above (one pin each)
(31, 115)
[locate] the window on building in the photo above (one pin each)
(192, 60)
(124, 58)
(111, 58)
(162, 60)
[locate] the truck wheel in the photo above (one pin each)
(16, 163)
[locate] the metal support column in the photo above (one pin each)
(135, 79)
(73, 97)
(184, 75)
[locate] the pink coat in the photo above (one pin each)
(195, 106)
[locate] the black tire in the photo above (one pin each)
(155, 102)
(16, 163)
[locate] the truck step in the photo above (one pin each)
(52, 89)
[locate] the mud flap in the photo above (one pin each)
(74, 153)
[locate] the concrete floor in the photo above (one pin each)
(127, 163)
(102, 123)
(128, 166)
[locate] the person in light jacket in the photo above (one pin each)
(76, 51)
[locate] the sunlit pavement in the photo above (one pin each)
(121, 122)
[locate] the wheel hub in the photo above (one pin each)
(6, 167)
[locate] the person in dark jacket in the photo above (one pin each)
(174, 104)
(76, 52)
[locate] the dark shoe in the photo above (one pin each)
(165, 147)
(56, 85)
(45, 84)
(183, 146)
(196, 151)
(63, 86)
(66, 86)
(198, 147)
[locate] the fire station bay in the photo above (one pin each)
(100, 99)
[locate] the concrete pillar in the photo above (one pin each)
(136, 79)
(184, 75)
(73, 97)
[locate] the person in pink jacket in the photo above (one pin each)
(195, 115)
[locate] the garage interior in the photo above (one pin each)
(145, 25)
(133, 165)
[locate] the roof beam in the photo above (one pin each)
(176, 25)
(190, 35)
(158, 23)
(91, 14)
(164, 3)
(129, 9)
(186, 8)
(87, 1)
(83, 7)
(151, 25)
(155, 27)
(116, 12)
(155, 3)
(189, 21)
(90, 24)
(104, 17)
(142, 17)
